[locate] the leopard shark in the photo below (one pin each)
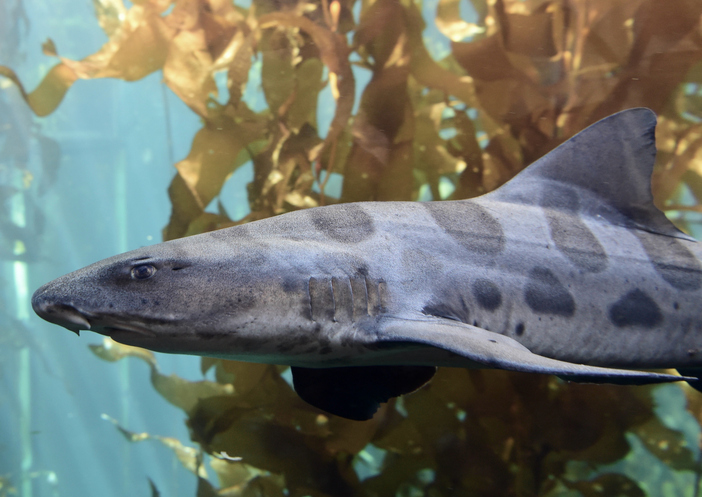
(568, 269)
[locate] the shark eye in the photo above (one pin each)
(143, 272)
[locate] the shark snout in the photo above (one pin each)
(58, 313)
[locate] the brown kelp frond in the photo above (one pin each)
(189, 457)
(178, 391)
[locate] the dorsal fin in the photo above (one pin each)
(611, 163)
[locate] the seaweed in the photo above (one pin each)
(437, 120)
(467, 432)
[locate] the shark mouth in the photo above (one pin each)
(76, 320)
(63, 315)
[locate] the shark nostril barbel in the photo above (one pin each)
(62, 314)
(73, 316)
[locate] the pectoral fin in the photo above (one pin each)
(486, 349)
(356, 392)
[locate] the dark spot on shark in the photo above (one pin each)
(362, 270)
(487, 294)
(519, 329)
(544, 294)
(346, 223)
(635, 309)
(568, 231)
(575, 240)
(471, 225)
(672, 260)
(676, 306)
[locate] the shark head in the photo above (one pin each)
(194, 295)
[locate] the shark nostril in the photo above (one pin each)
(61, 314)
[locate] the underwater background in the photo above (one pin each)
(269, 106)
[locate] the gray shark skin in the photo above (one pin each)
(568, 269)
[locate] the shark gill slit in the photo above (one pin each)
(343, 300)
(321, 299)
(350, 302)
(336, 299)
(333, 300)
(359, 299)
(382, 296)
(373, 298)
(309, 299)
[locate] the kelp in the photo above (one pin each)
(432, 123)
(467, 432)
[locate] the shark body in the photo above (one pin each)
(567, 269)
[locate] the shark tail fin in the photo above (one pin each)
(609, 165)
